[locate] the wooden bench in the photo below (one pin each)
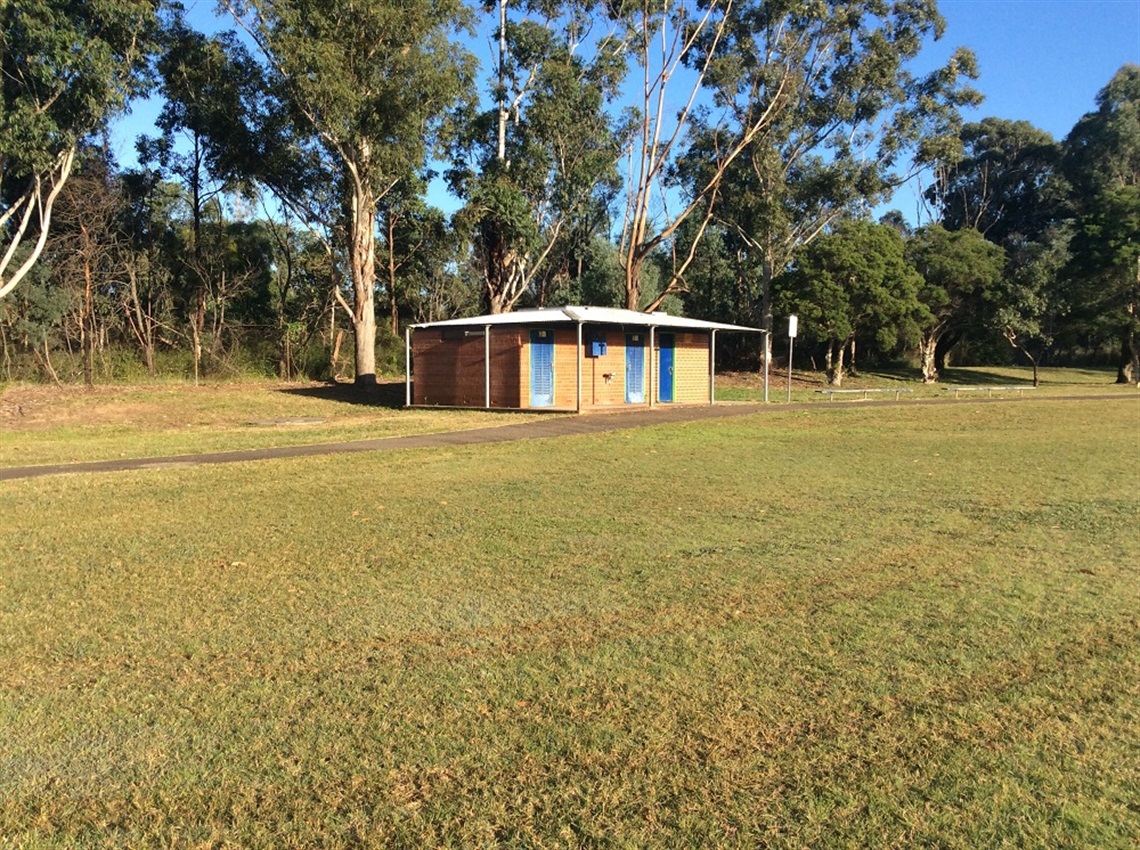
(833, 393)
(989, 389)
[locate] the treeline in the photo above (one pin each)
(721, 159)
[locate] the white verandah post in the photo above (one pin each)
(652, 366)
(408, 366)
(712, 366)
(581, 356)
(487, 366)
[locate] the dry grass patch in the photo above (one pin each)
(48, 424)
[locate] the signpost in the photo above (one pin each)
(793, 327)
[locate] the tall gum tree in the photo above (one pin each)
(65, 66)
(537, 171)
(1004, 184)
(961, 273)
(1102, 162)
(371, 83)
(845, 121)
(855, 280)
(1007, 187)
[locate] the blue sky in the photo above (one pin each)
(1041, 61)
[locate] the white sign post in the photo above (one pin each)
(793, 327)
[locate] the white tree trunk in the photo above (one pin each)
(926, 349)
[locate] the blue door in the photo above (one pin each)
(665, 367)
(541, 368)
(634, 369)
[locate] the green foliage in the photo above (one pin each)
(1103, 164)
(1005, 186)
(848, 120)
(371, 79)
(361, 91)
(1103, 149)
(67, 65)
(547, 151)
(960, 270)
(854, 281)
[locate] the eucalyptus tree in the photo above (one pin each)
(1005, 185)
(1102, 162)
(537, 171)
(65, 66)
(86, 250)
(817, 113)
(365, 86)
(414, 238)
(149, 227)
(854, 281)
(961, 273)
(1008, 186)
(1034, 299)
(203, 80)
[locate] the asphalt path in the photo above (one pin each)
(544, 427)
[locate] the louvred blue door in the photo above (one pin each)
(541, 368)
(665, 366)
(634, 369)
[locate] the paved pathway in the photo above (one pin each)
(553, 426)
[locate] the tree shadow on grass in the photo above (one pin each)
(389, 394)
(963, 377)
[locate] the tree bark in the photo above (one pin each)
(943, 347)
(86, 326)
(362, 257)
(927, 347)
(1128, 367)
(835, 369)
(766, 314)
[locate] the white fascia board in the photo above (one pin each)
(590, 315)
(615, 316)
(522, 317)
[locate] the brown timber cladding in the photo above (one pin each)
(449, 367)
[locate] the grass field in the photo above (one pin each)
(836, 627)
(43, 424)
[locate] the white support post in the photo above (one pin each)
(652, 367)
(767, 359)
(487, 366)
(408, 366)
(581, 356)
(712, 366)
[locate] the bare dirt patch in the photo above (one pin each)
(30, 406)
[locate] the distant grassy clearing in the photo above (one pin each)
(855, 627)
(749, 386)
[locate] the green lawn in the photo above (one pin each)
(836, 627)
(1059, 381)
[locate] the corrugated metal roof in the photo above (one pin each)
(589, 315)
